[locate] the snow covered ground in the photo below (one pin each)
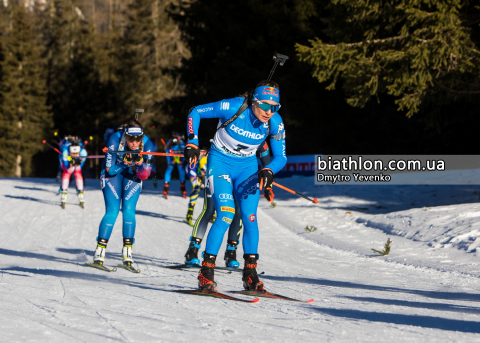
(426, 290)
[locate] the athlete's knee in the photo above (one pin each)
(112, 211)
(209, 211)
(128, 214)
(110, 217)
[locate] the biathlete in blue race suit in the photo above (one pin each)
(121, 181)
(176, 144)
(200, 226)
(232, 169)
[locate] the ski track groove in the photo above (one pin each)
(113, 327)
(48, 325)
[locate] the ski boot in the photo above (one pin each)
(127, 256)
(191, 256)
(127, 251)
(80, 198)
(166, 189)
(206, 275)
(214, 217)
(251, 282)
(64, 198)
(231, 255)
(183, 189)
(189, 218)
(99, 254)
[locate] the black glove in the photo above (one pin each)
(74, 162)
(191, 154)
(265, 178)
(268, 192)
(128, 159)
(137, 159)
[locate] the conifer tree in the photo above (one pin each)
(74, 88)
(422, 52)
(232, 44)
(148, 50)
(23, 111)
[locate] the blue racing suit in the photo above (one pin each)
(171, 161)
(233, 168)
(122, 183)
(200, 226)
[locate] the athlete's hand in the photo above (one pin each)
(138, 159)
(265, 178)
(191, 154)
(128, 159)
(268, 192)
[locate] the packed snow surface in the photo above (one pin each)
(426, 290)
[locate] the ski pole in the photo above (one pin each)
(158, 136)
(143, 153)
(148, 153)
(51, 146)
(314, 200)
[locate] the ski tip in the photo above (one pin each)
(309, 301)
(255, 300)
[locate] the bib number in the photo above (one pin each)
(240, 147)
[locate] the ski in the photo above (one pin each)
(130, 268)
(266, 294)
(227, 270)
(194, 267)
(214, 294)
(233, 269)
(183, 266)
(101, 267)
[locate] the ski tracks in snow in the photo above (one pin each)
(358, 297)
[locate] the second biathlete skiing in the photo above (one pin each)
(121, 182)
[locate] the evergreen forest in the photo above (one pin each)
(363, 77)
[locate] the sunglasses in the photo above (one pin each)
(134, 138)
(267, 107)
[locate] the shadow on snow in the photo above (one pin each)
(344, 284)
(404, 319)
